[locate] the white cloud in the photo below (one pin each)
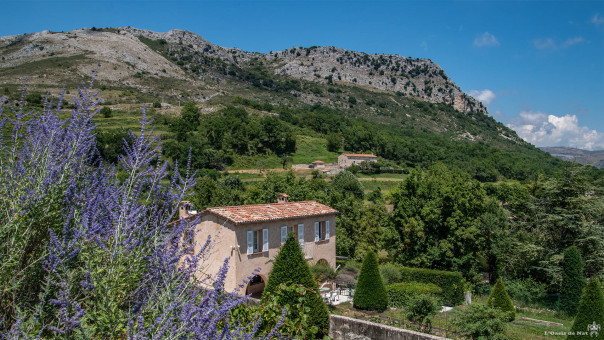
(549, 43)
(548, 130)
(597, 19)
(485, 96)
(486, 39)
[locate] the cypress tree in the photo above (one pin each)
(573, 280)
(290, 267)
(500, 299)
(590, 311)
(370, 293)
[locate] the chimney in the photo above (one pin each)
(184, 209)
(282, 198)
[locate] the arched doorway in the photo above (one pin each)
(255, 286)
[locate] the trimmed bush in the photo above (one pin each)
(290, 267)
(479, 321)
(451, 283)
(500, 299)
(573, 280)
(370, 293)
(590, 310)
(400, 293)
(391, 273)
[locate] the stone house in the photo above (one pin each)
(347, 159)
(251, 236)
(318, 164)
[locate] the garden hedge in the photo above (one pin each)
(399, 293)
(451, 283)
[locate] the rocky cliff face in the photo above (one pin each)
(419, 78)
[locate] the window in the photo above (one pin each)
(257, 240)
(321, 231)
(296, 229)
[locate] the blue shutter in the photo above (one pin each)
(327, 230)
(283, 234)
(264, 239)
(317, 230)
(250, 242)
(301, 233)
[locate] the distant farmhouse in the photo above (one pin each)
(252, 234)
(317, 165)
(347, 159)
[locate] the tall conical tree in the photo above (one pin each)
(370, 293)
(290, 267)
(590, 312)
(500, 299)
(573, 280)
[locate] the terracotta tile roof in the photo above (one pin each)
(359, 155)
(318, 162)
(270, 212)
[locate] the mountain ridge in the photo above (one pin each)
(591, 157)
(419, 78)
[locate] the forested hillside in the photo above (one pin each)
(419, 118)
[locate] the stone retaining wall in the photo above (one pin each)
(344, 328)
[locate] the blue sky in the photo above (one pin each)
(537, 65)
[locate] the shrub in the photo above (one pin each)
(391, 273)
(156, 105)
(106, 112)
(292, 323)
(400, 293)
(479, 321)
(421, 308)
(500, 299)
(526, 290)
(89, 257)
(352, 266)
(289, 267)
(450, 282)
(322, 273)
(370, 293)
(590, 309)
(573, 280)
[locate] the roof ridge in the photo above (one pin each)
(260, 204)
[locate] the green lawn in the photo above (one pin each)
(310, 149)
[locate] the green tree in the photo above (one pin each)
(439, 216)
(190, 114)
(334, 142)
(500, 299)
(106, 112)
(290, 267)
(573, 280)
(370, 293)
(347, 183)
(590, 310)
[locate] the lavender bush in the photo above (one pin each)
(86, 255)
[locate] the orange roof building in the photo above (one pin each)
(251, 236)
